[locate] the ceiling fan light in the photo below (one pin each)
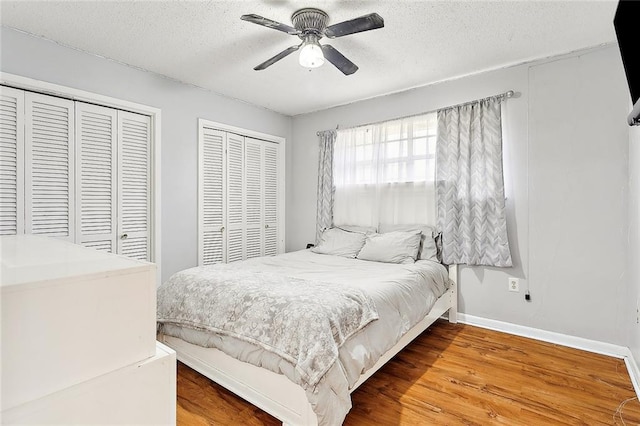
(311, 55)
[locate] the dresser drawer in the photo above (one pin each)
(143, 393)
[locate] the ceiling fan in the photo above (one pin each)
(310, 25)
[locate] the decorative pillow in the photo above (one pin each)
(339, 242)
(428, 246)
(392, 247)
(357, 228)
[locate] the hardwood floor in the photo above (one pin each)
(457, 374)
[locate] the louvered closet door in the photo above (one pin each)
(270, 191)
(95, 176)
(134, 136)
(235, 198)
(212, 197)
(11, 161)
(49, 166)
(253, 153)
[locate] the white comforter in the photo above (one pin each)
(403, 295)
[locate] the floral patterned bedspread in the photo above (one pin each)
(304, 322)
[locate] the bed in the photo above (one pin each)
(407, 298)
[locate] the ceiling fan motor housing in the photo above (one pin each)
(310, 21)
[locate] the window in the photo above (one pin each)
(384, 173)
(406, 151)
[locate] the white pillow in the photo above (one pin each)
(392, 247)
(339, 242)
(428, 247)
(357, 228)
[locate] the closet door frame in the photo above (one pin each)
(29, 84)
(202, 123)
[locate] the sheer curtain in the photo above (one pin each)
(384, 173)
(470, 191)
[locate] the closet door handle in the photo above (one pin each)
(266, 227)
(222, 229)
(124, 236)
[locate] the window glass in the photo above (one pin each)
(395, 151)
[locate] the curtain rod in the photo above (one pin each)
(507, 94)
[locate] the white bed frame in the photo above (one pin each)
(275, 393)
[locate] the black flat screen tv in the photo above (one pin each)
(627, 26)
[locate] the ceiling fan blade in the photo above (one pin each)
(276, 58)
(256, 19)
(336, 58)
(368, 22)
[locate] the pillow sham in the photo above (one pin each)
(428, 246)
(357, 228)
(339, 242)
(392, 247)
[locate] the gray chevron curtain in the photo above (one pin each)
(324, 212)
(470, 185)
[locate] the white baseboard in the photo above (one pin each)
(547, 336)
(634, 372)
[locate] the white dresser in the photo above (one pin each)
(78, 337)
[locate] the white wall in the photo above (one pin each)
(633, 297)
(578, 185)
(181, 106)
(566, 144)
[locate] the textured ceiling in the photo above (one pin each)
(207, 45)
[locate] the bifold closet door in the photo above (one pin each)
(113, 180)
(270, 160)
(235, 238)
(75, 171)
(253, 189)
(246, 198)
(49, 166)
(11, 161)
(261, 198)
(134, 179)
(238, 194)
(96, 131)
(212, 196)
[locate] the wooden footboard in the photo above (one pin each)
(276, 394)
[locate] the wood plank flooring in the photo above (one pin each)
(457, 374)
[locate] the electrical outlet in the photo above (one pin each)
(514, 284)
